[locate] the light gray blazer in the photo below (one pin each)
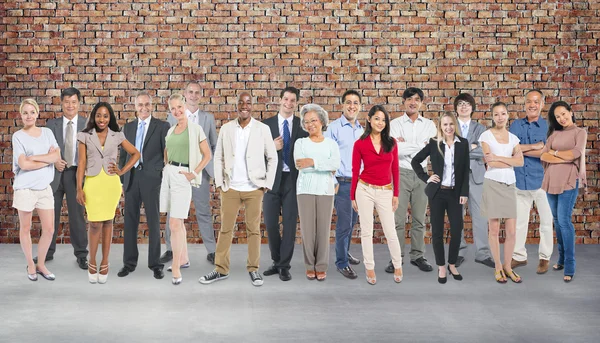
(261, 155)
(476, 155)
(207, 121)
(98, 158)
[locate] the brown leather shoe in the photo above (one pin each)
(542, 267)
(514, 263)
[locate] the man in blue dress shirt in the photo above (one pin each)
(532, 131)
(345, 131)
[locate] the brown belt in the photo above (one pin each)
(446, 187)
(388, 186)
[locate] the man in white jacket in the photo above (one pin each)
(245, 161)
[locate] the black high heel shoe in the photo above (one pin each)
(457, 277)
(442, 280)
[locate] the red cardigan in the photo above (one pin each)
(379, 169)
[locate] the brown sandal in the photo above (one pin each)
(311, 275)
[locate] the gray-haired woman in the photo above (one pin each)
(316, 158)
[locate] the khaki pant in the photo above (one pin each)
(315, 222)
(231, 202)
(525, 200)
(368, 198)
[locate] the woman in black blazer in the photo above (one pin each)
(447, 189)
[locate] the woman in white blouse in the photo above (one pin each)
(502, 153)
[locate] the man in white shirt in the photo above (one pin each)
(412, 132)
(200, 195)
(245, 161)
(65, 130)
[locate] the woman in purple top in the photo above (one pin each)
(563, 159)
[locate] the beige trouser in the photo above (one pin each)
(231, 202)
(368, 198)
(315, 223)
(525, 200)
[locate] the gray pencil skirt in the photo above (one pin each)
(499, 200)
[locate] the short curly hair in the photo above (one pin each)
(321, 113)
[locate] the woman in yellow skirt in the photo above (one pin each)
(99, 145)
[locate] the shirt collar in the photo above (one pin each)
(189, 113)
(237, 123)
(345, 121)
(147, 120)
(406, 119)
(74, 120)
(280, 119)
(468, 122)
(526, 121)
(455, 140)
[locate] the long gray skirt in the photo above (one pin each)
(499, 200)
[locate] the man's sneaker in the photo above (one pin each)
(212, 277)
(256, 278)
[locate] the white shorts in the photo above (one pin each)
(29, 199)
(175, 192)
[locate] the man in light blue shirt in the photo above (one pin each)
(345, 131)
(532, 131)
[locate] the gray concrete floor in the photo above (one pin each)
(139, 308)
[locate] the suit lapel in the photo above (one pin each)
(151, 128)
(81, 121)
(472, 127)
(58, 130)
(96, 141)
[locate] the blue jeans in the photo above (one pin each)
(346, 219)
(561, 206)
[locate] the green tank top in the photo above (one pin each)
(178, 147)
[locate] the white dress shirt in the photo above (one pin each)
(416, 135)
(465, 125)
(74, 138)
(193, 116)
(239, 178)
(448, 177)
(290, 121)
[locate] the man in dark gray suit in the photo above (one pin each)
(142, 185)
(65, 130)
(281, 199)
(464, 106)
(200, 195)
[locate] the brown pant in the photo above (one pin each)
(315, 222)
(231, 201)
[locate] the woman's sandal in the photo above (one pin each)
(558, 267)
(500, 277)
(513, 276)
(371, 280)
(398, 276)
(570, 278)
(311, 275)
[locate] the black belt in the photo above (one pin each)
(70, 168)
(177, 164)
(344, 179)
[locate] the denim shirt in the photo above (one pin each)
(531, 174)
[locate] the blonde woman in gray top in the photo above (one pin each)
(35, 151)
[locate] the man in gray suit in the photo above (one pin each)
(142, 184)
(200, 195)
(65, 130)
(464, 106)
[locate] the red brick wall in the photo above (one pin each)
(112, 49)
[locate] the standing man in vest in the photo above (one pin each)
(141, 185)
(532, 131)
(464, 106)
(200, 195)
(65, 130)
(345, 131)
(281, 199)
(412, 132)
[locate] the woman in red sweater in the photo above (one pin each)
(377, 186)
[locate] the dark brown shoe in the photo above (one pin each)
(514, 263)
(542, 266)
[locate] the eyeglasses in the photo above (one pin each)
(314, 121)
(463, 104)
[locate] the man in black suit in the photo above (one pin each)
(285, 129)
(65, 130)
(142, 185)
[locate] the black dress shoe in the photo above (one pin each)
(422, 263)
(271, 271)
(353, 260)
(166, 257)
(459, 261)
(348, 272)
(82, 262)
(158, 273)
(487, 262)
(124, 271)
(284, 274)
(390, 268)
(442, 280)
(211, 257)
(48, 258)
